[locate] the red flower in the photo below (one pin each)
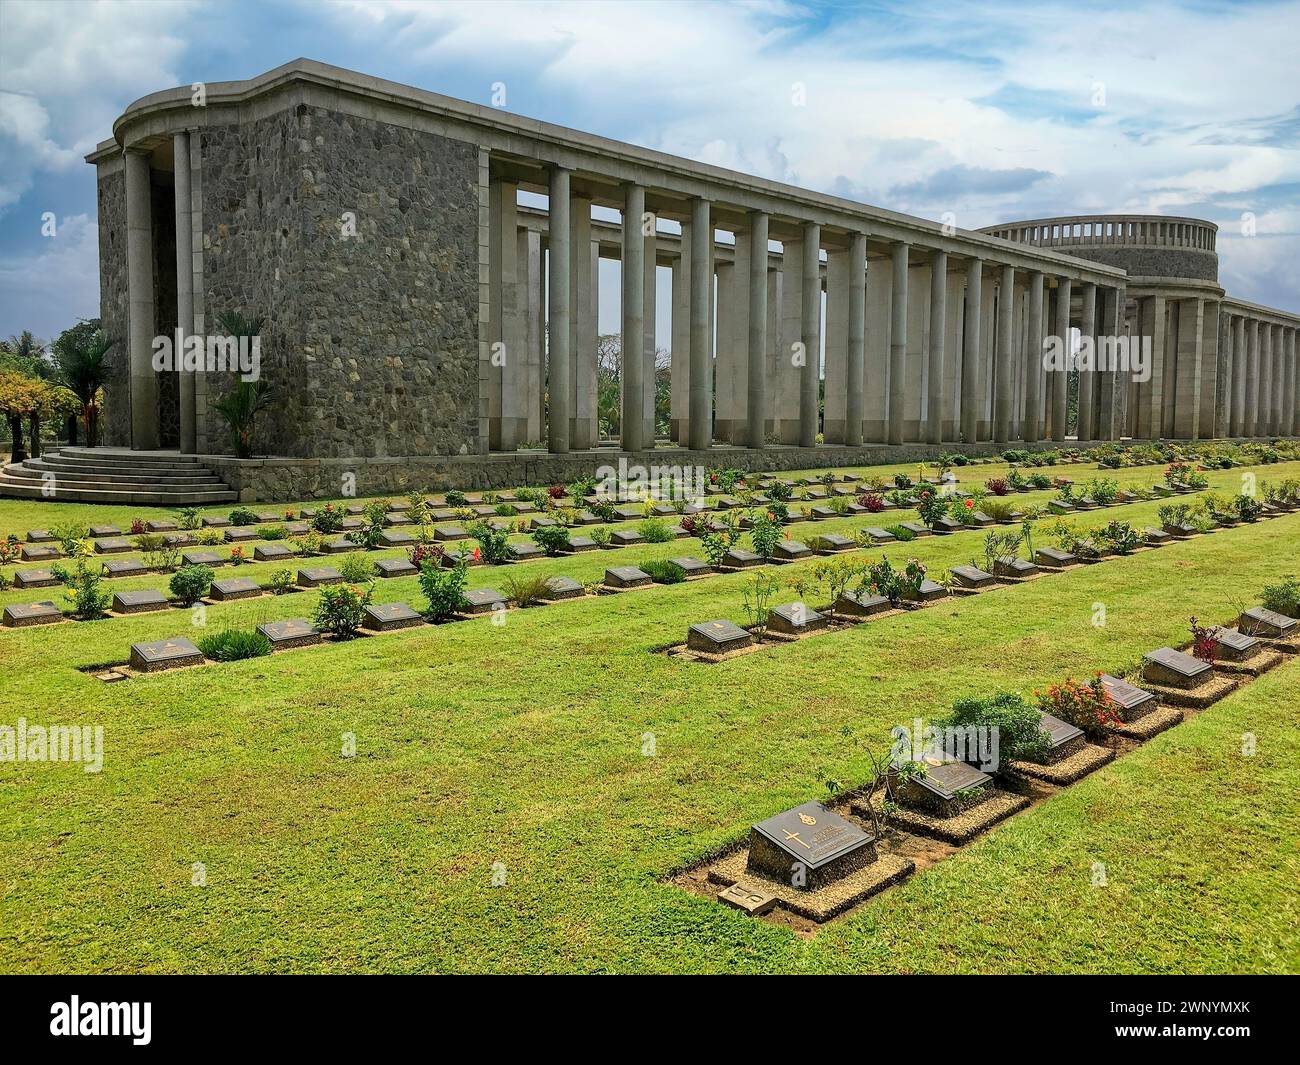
(970, 504)
(477, 554)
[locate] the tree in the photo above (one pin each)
(609, 389)
(81, 357)
(26, 354)
(240, 407)
(19, 398)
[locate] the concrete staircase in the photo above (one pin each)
(115, 475)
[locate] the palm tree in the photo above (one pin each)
(80, 355)
(240, 407)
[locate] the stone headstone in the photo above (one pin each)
(1174, 668)
(1157, 537)
(124, 567)
(880, 536)
(822, 513)
(626, 577)
(483, 600)
(747, 898)
(160, 525)
(341, 546)
(790, 551)
(542, 523)
(318, 576)
(164, 654)
(450, 532)
(268, 517)
(395, 538)
(625, 537)
(1260, 621)
(464, 555)
(692, 567)
(203, 558)
(139, 602)
(284, 635)
(37, 578)
(216, 523)
(717, 637)
(104, 531)
(629, 513)
(1059, 506)
(395, 567)
(22, 615)
(944, 777)
(385, 617)
(112, 545)
(855, 605)
(971, 577)
(1014, 568)
(981, 519)
(39, 552)
(794, 619)
(946, 525)
(40, 536)
(1053, 557)
(271, 552)
(563, 588)
(809, 847)
(234, 588)
(916, 528)
(524, 551)
(927, 592)
(1234, 646)
(579, 543)
(833, 543)
(1063, 738)
(738, 558)
(1132, 700)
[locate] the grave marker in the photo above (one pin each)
(140, 602)
(1174, 668)
(717, 637)
(794, 619)
(164, 654)
(271, 552)
(483, 600)
(563, 588)
(23, 615)
(626, 577)
(385, 617)
(234, 588)
(285, 635)
(1260, 621)
(318, 576)
(790, 551)
(809, 847)
(395, 567)
(37, 578)
(124, 567)
(971, 577)
(203, 558)
(112, 545)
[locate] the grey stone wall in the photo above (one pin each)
(162, 213)
(1189, 263)
(370, 341)
(115, 420)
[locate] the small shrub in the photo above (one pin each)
(872, 502)
(209, 537)
(493, 544)
(1085, 706)
(307, 544)
(328, 519)
(237, 555)
(426, 552)
(273, 532)
(664, 571)
(455, 498)
(757, 595)
(900, 534)
(341, 608)
(189, 518)
(231, 645)
(766, 534)
(1205, 644)
(999, 486)
(240, 516)
(1283, 597)
(443, 589)
(655, 531)
(1020, 736)
(189, 584)
(600, 537)
(70, 537)
(356, 568)
(85, 591)
(280, 582)
(551, 538)
(526, 589)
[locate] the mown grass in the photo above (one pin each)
(522, 744)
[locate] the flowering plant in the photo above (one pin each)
(1205, 643)
(1085, 706)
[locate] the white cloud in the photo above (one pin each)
(48, 289)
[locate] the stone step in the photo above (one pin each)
(144, 496)
(36, 469)
(120, 460)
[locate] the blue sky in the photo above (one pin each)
(1002, 112)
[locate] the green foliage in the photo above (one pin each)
(242, 516)
(655, 531)
(494, 544)
(443, 589)
(328, 519)
(231, 645)
(765, 534)
(189, 584)
(341, 608)
(551, 538)
(526, 589)
(280, 581)
(188, 518)
(663, 571)
(1020, 736)
(356, 568)
(85, 590)
(1283, 597)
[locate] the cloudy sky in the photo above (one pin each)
(995, 111)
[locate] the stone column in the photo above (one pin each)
(139, 273)
(1279, 380)
(970, 351)
(1240, 361)
(1187, 398)
(508, 397)
(835, 340)
(1002, 394)
(633, 373)
(560, 318)
(938, 335)
(898, 256)
(700, 418)
(1223, 376)
(649, 253)
(1059, 383)
(1086, 425)
(184, 283)
(855, 407)
(1151, 327)
(787, 372)
(584, 293)
(1108, 425)
(756, 399)
(1292, 386)
(1263, 425)
(1250, 418)
(681, 352)
(533, 284)
(811, 323)
(1033, 431)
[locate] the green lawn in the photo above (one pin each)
(522, 745)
